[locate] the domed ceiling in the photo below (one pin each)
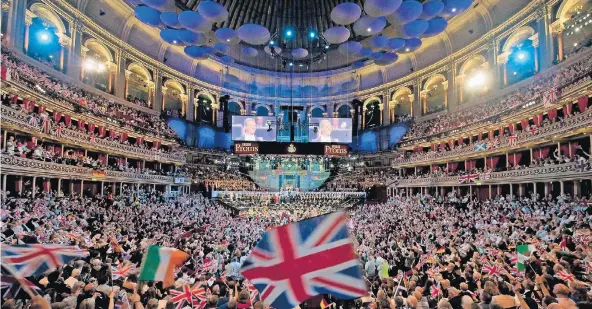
(306, 35)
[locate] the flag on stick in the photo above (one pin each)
(159, 264)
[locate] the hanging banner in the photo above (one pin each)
(246, 148)
(336, 150)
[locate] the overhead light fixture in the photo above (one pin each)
(369, 29)
(291, 64)
(407, 49)
(271, 42)
(44, 37)
(326, 46)
(312, 34)
(453, 10)
(289, 33)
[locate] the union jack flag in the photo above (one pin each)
(188, 295)
(13, 287)
(35, 259)
(121, 271)
(492, 271)
(294, 262)
(435, 290)
(549, 97)
(253, 292)
(565, 276)
(433, 272)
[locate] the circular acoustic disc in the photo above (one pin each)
(396, 43)
(227, 36)
(170, 19)
(415, 28)
(377, 8)
(411, 45)
(212, 11)
(170, 36)
(431, 9)
(409, 11)
(227, 59)
(148, 15)
(365, 52)
(191, 20)
(379, 42)
(376, 55)
(156, 4)
(336, 35)
(191, 38)
(387, 59)
(299, 53)
(249, 51)
(197, 52)
(346, 13)
(435, 26)
(367, 25)
(357, 65)
(222, 48)
(455, 7)
(254, 34)
(350, 48)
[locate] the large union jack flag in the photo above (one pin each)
(297, 261)
(36, 259)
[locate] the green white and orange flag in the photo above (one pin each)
(524, 252)
(159, 264)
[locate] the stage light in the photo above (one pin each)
(326, 46)
(369, 29)
(312, 34)
(301, 65)
(89, 64)
(407, 49)
(521, 55)
(515, 73)
(453, 10)
(578, 29)
(289, 33)
(44, 37)
(477, 80)
(174, 41)
(101, 67)
(291, 64)
(271, 42)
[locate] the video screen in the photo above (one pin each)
(253, 128)
(330, 130)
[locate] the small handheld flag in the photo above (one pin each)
(159, 264)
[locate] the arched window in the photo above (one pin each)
(262, 111)
(344, 111)
(317, 112)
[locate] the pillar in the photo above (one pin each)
(424, 101)
(416, 101)
(33, 187)
(577, 189)
(547, 188)
(28, 21)
(121, 188)
(451, 88)
(82, 188)
(544, 34)
(190, 114)
(520, 189)
(59, 185)
(4, 139)
(19, 184)
(16, 26)
(381, 107)
(102, 187)
(363, 116)
(445, 86)
(501, 63)
(127, 75)
(561, 187)
(490, 192)
(163, 100)
(111, 72)
(157, 92)
(75, 57)
(557, 29)
(4, 179)
(65, 51)
(120, 81)
(511, 190)
(534, 189)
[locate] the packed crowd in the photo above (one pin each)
(492, 110)
(85, 101)
(506, 139)
(415, 252)
(137, 100)
(360, 179)
(45, 122)
(215, 178)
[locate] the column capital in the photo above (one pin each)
(381, 106)
(557, 27)
(5, 6)
(83, 51)
(28, 14)
(445, 85)
(535, 40)
(128, 74)
(183, 97)
(411, 98)
(424, 93)
(111, 67)
(164, 89)
(503, 58)
(64, 40)
(150, 84)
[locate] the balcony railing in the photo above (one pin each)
(19, 121)
(574, 123)
(556, 172)
(14, 165)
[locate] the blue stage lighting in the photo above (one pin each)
(271, 42)
(312, 34)
(289, 33)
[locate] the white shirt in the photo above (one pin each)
(250, 138)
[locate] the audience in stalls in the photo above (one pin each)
(137, 100)
(221, 178)
(36, 120)
(415, 252)
(87, 102)
(492, 143)
(491, 111)
(289, 199)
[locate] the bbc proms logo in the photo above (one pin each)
(246, 148)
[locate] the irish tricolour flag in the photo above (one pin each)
(159, 264)
(524, 252)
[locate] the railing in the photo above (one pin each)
(30, 167)
(19, 121)
(579, 121)
(556, 172)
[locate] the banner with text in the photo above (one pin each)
(246, 148)
(336, 150)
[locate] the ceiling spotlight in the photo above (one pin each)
(291, 64)
(369, 29)
(289, 33)
(453, 10)
(326, 46)
(174, 41)
(271, 42)
(312, 34)
(407, 49)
